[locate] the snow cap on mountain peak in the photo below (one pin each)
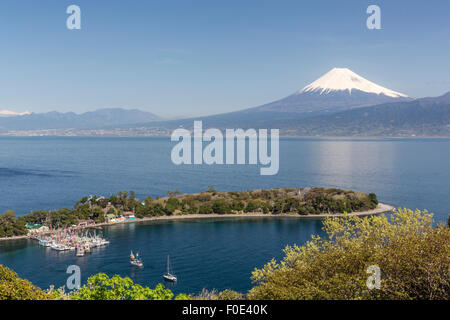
(343, 79)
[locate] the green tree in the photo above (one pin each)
(173, 193)
(102, 287)
(230, 295)
(9, 226)
(148, 201)
(37, 217)
(205, 209)
(237, 205)
(251, 206)
(14, 288)
(373, 200)
(172, 204)
(211, 190)
(414, 259)
(98, 215)
(8, 216)
(220, 206)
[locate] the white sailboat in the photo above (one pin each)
(168, 276)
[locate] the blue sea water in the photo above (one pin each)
(54, 172)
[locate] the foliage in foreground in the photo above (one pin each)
(14, 288)
(102, 287)
(214, 294)
(414, 259)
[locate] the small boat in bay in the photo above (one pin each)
(169, 276)
(58, 247)
(135, 260)
(80, 251)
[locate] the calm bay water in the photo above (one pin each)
(49, 173)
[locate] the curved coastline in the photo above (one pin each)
(381, 208)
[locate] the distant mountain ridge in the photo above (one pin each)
(427, 117)
(88, 120)
(338, 90)
(340, 103)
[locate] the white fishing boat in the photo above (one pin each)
(135, 260)
(80, 251)
(169, 276)
(58, 247)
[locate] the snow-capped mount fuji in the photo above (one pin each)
(338, 90)
(343, 79)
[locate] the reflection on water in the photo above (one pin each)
(407, 172)
(352, 160)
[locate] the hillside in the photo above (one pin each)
(421, 117)
(71, 120)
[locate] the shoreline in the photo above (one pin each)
(381, 208)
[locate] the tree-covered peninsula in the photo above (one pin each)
(286, 201)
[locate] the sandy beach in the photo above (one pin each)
(381, 208)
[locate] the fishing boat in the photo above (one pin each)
(80, 251)
(58, 247)
(71, 239)
(168, 276)
(135, 260)
(44, 242)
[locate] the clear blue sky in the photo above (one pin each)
(201, 57)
